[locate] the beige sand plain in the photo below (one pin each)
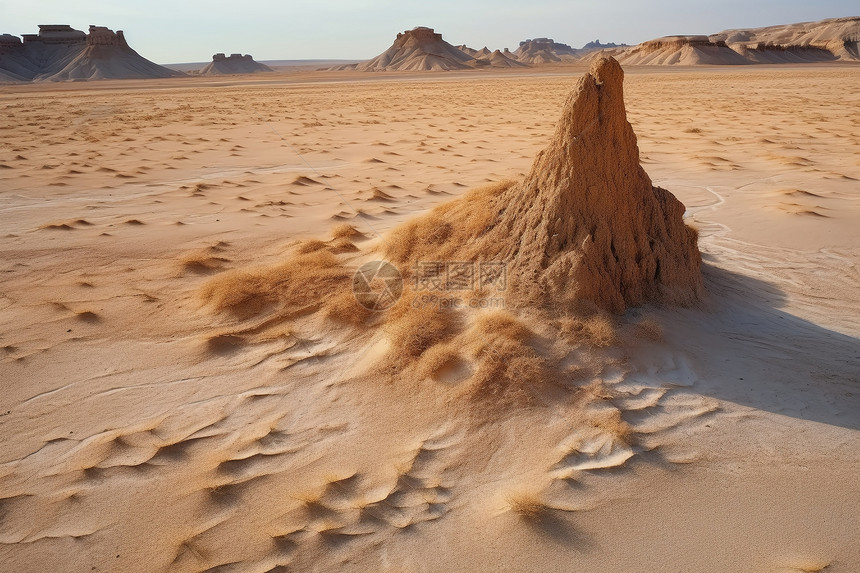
(141, 431)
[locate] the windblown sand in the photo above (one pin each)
(149, 423)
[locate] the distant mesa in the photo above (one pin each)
(422, 49)
(544, 51)
(61, 53)
(419, 49)
(596, 45)
(222, 64)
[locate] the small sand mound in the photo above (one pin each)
(346, 231)
(58, 226)
(88, 316)
(303, 281)
(377, 194)
(201, 263)
(305, 181)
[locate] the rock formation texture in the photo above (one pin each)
(586, 225)
(61, 53)
(544, 50)
(497, 59)
(467, 50)
(682, 50)
(222, 64)
(418, 49)
(832, 39)
(422, 49)
(835, 39)
(596, 45)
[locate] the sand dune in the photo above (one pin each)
(189, 384)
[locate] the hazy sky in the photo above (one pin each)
(177, 31)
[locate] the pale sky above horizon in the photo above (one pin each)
(192, 30)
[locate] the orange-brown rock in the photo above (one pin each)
(586, 224)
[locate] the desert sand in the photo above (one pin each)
(154, 417)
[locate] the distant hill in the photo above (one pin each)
(497, 59)
(419, 49)
(830, 40)
(596, 45)
(681, 50)
(222, 64)
(422, 49)
(61, 53)
(543, 51)
(276, 65)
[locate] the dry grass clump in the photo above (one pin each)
(495, 354)
(344, 308)
(311, 246)
(610, 421)
(649, 328)
(342, 245)
(336, 245)
(201, 263)
(441, 363)
(503, 324)
(508, 365)
(434, 238)
(346, 231)
(413, 331)
(305, 280)
(527, 505)
(508, 368)
(597, 329)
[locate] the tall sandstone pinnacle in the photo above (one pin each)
(585, 225)
(592, 226)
